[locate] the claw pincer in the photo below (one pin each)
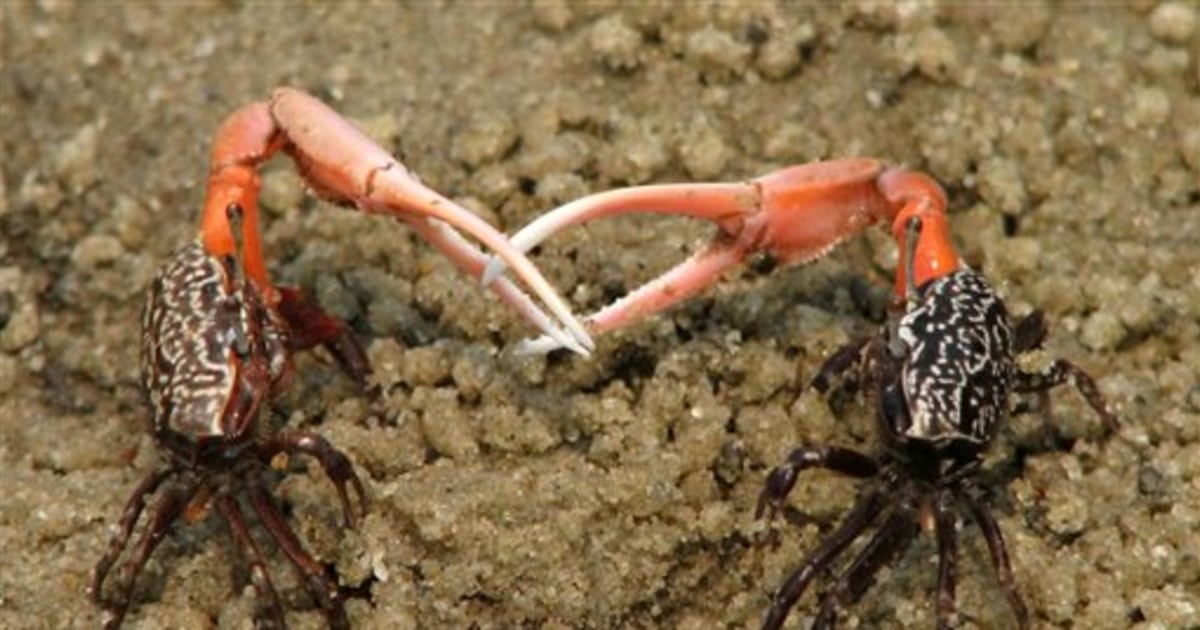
(797, 214)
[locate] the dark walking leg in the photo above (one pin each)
(322, 589)
(259, 577)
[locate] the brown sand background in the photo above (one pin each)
(615, 492)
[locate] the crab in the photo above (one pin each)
(212, 354)
(218, 339)
(797, 214)
(943, 367)
(942, 371)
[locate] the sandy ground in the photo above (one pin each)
(618, 491)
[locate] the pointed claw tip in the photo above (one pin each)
(578, 333)
(491, 271)
(547, 344)
(558, 338)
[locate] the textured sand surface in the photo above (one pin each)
(617, 491)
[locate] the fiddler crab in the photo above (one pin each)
(942, 370)
(218, 336)
(217, 340)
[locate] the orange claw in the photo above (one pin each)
(798, 214)
(343, 166)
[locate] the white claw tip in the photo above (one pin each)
(491, 271)
(546, 344)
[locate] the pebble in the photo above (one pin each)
(445, 425)
(35, 192)
(1020, 30)
(488, 137)
(282, 190)
(1102, 331)
(564, 153)
(473, 369)
(902, 17)
(1001, 185)
(391, 316)
(1020, 255)
(539, 122)
(553, 16)
(387, 360)
(703, 151)
(715, 51)
(1068, 515)
(75, 159)
(936, 55)
(793, 142)
(557, 188)
(1168, 607)
(635, 157)
(1137, 307)
(336, 298)
(24, 320)
(427, 365)
(493, 184)
(508, 430)
(764, 373)
(96, 250)
(1173, 22)
(616, 44)
(131, 222)
(767, 433)
(780, 55)
(1148, 108)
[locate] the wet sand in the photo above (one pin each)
(617, 491)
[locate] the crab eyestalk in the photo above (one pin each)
(915, 195)
(912, 231)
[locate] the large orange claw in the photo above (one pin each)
(798, 214)
(343, 166)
